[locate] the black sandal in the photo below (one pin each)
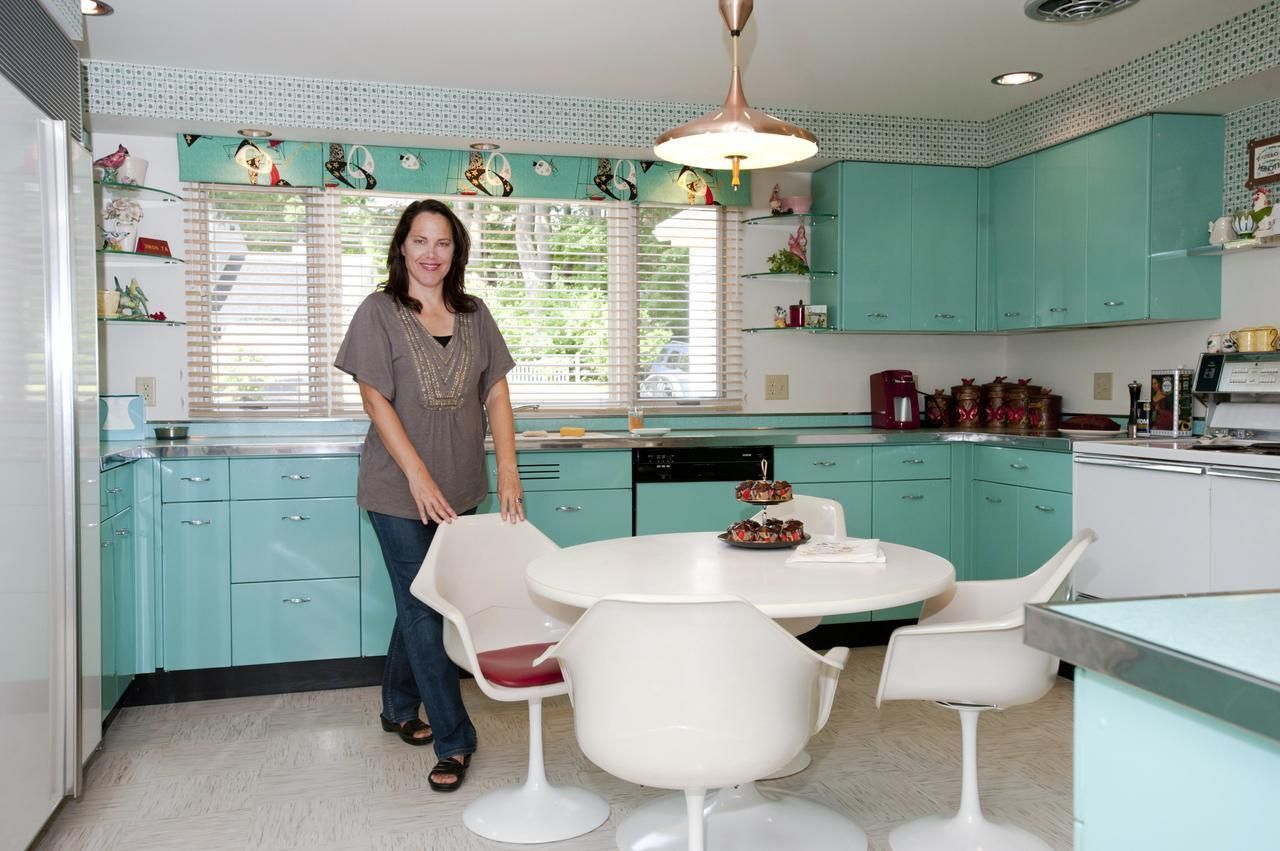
(452, 766)
(407, 730)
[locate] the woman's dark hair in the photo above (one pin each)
(397, 285)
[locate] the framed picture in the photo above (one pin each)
(1264, 162)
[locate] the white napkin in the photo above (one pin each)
(838, 551)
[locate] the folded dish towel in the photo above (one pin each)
(839, 550)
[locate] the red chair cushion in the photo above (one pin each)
(513, 666)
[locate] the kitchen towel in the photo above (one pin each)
(839, 551)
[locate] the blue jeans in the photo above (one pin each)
(418, 670)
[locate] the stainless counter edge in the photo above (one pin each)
(349, 445)
(1232, 696)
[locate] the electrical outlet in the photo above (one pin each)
(777, 387)
(1101, 385)
(145, 386)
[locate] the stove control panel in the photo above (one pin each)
(1254, 372)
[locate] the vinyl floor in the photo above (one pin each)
(315, 771)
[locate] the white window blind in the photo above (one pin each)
(602, 304)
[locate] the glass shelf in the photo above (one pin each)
(1233, 247)
(793, 330)
(136, 258)
(789, 219)
(121, 320)
(144, 195)
(812, 273)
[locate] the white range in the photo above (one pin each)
(1189, 515)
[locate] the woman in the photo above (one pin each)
(431, 363)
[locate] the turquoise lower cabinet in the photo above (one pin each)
(1044, 525)
(196, 568)
(854, 498)
(107, 600)
(377, 600)
(294, 621)
(688, 507)
(915, 513)
(294, 539)
(118, 584)
(994, 518)
(571, 517)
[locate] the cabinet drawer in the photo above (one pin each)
(584, 470)
(929, 461)
(1026, 467)
(823, 463)
(295, 621)
(194, 480)
(293, 477)
(294, 539)
(117, 490)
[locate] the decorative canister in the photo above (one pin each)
(967, 398)
(994, 402)
(1044, 411)
(1015, 404)
(939, 409)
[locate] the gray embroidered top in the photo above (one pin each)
(437, 391)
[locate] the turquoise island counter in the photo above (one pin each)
(1177, 718)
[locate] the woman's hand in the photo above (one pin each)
(429, 499)
(510, 496)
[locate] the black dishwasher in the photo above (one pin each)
(690, 488)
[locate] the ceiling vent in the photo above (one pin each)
(1069, 11)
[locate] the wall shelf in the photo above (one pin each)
(134, 258)
(789, 220)
(1236, 246)
(121, 320)
(144, 195)
(793, 330)
(812, 273)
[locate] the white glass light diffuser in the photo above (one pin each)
(736, 135)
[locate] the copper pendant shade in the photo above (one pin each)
(736, 135)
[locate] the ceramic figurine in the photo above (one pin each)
(1243, 224)
(775, 201)
(779, 316)
(133, 301)
(111, 163)
(798, 244)
(1263, 214)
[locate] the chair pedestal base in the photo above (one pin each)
(531, 814)
(935, 833)
(742, 818)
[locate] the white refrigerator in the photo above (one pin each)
(48, 468)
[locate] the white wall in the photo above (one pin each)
(1066, 360)
(126, 351)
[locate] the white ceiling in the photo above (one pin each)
(928, 58)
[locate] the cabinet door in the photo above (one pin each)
(571, 517)
(1060, 210)
(854, 498)
(944, 248)
(295, 621)
(917, 514)
(1242, 555)
(196, 567)
(1013, 249)
(875, 261)
(107, 603)
(1119, 191)
(995, 531)
(1044, 525)
(377, 600)
(688, 507)
(277, 539)
(126, 590)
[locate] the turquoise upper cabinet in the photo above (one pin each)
(1118, 188)
(944, 248)
(1012, 243)
(1060, 233)
(905, 246)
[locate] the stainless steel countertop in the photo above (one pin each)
(213, 447)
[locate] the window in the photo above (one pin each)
(602, 304)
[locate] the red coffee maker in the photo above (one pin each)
(894, 399)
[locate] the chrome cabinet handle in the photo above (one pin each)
(568, 508)
(994, 499)
(195, 478)
(115, 490)
(913, 496)
(295, 518)
(912, 460)
(1012, 313)
(296, 600)
(1016, 466)
(944, 316)
(197, 522)
(295, 477)
(1112, 303)
(1057, 310)
(877, 315)
(123, 533)
(106, 544)
(824, 463)
(1048, 509)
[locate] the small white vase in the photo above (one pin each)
(118, 235)
(132, 171)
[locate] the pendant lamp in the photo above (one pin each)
(736, 136)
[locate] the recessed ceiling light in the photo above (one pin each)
(483, 146)
(254, 133)
(1017, 78)
(95, 7)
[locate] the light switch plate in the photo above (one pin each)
(1102, 386)
(777, 388)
